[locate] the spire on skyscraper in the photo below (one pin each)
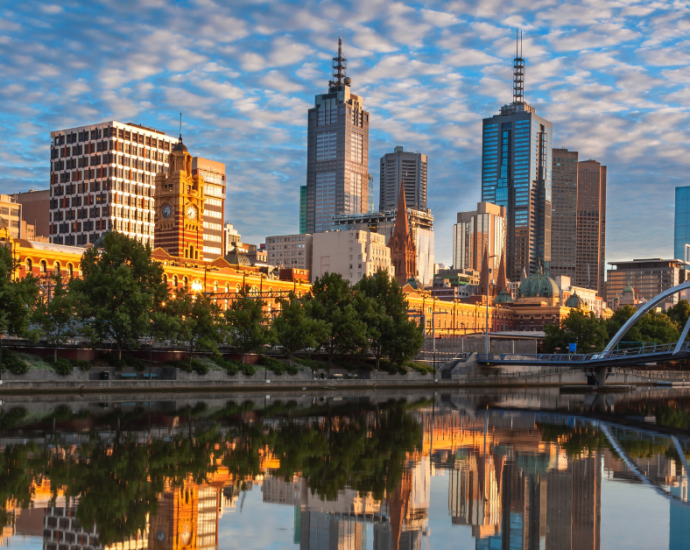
(518, 71)
(339, 70)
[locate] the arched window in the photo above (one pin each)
(165, 279)
(29, 265)
(70, 270)
(184, 282)
(227, 288)
(57, 268)
(175, 281)
(44, 266)
(238, 289)
(226, 303)
(254, 291)
(215, 286)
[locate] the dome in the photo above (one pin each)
(179, 146)
(539, 285)
(237, 258)
(503, 297)
(628, 290)
(573, 301)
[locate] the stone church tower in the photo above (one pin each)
(403, 250)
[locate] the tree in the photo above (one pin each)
(652, 328)
(121, 286)
(679, 313)
(391, 332)
(56, 319)
(294, 328)
(581, 328)
(197, 322)
(245, 322)
(332, 302)
(17, 297)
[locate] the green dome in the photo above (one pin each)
(628, 290)
(503, 297)
(573, 301)
(539, 286)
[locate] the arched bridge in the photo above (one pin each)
(598, 363)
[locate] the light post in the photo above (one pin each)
(488, 286)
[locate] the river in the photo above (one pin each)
(386, 470)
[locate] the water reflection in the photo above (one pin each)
(357, 473)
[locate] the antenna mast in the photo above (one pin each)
(518, 71)
(339, 68)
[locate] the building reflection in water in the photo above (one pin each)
(514, 481)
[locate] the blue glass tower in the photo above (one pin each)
(681, 230)
(516, 173)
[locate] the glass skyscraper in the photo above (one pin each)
(303, 209)
(681, 230)
(516, 174)
(337, 153)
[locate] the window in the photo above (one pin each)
(175, 281)
(44, 266)
(326, 146)
(70, 270)
(356, 148)
(29, 265)
(184, 282)
(215, 286)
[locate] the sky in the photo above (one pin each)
(611, 75)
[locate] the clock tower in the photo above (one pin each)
(179, 200)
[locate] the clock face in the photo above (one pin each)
(191, 212)
(166, 211)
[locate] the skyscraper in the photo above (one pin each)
(564, 213)
(102, 179)
(303, 209)
(591, 226)
(516, 174)
(337, 152)
(475, 232)
(411, 169)
(213, 174)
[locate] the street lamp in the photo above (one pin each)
(486, 324)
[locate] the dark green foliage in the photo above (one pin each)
(63, 366)
(420, 367)
(194, 366)
(233, 367)
(331, 301)
(137, 364)
(382, 306)
(276, 366)
(311, 363)
(121, 286)
(56, 319)
(246, 326)
(82, 364)
(652, 328)
(581, 328)
(575, 441)
(679, 313)
(13, 363)
(17, 298)
(294, 328)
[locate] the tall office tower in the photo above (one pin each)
(564, 213)
(477, 230)
(591, 226)
(303, 209)
(102, 179)
(36, 210)
(411, 169)
(370, 194)
(230, 237)
(213, 174)
(337, 152)
(516, 174)
(681, 229)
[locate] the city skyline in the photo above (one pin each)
(245, 77)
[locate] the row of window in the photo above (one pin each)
(110, 132)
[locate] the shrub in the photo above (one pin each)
(196, 366)
(81, 364)
(276, 366)
(392, 368)
(199, 367)
(63, 366)
(13, 363)
(228, 365)
(113, 361)
(248, 369)
(311, 363)
(138, 364)
(420, 366)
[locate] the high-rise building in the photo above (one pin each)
(102, 179)
(591, 226)
(180, 204)
(337, 152)
(475, 231)
(516, 174)
(36, 210)
(213, 174)
(370, 194)
(644, 278)
(564, 213)
(411, 169)
(681, 230)
(303, 209)
(289, 251)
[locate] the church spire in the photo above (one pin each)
(403, 249)
(502, 281)
(401, 223)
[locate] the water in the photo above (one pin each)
(533, 469)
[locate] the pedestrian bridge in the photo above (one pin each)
(597, 363)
